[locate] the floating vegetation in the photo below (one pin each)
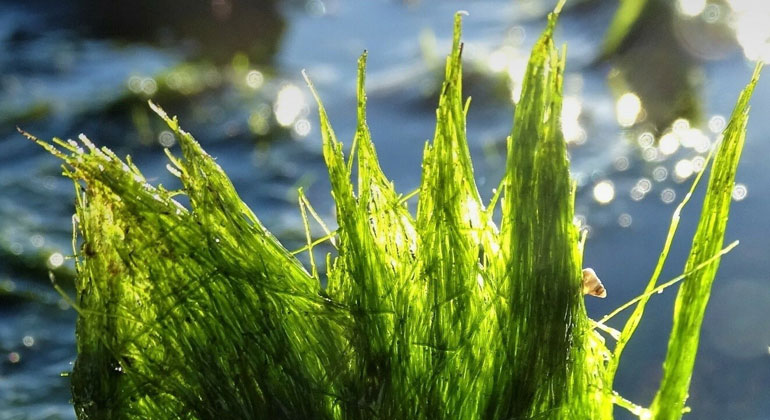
(198, 312)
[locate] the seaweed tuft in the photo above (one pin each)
(198, 312)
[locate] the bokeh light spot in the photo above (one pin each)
(302, 127)
(683, 169)
(669, 144)
(712, 13)
(516, 70)
(621, 164)
(698, 162)
(749, 20)
(660, 174)
(644, 185)
(258, 124)
(166, 138)
(650, 154)
(28, 341)
(254, 79)
(55, 260)
(624, 220)
(288, 105)
(627, 109)
(604, 192)
(37, 240)
(646, 139)
(498, 61)
(570, 120)
(691, 7)
(668, 195)
(149, 86)
(134, 84)
(739, 192)
(680, 125)
(717, 124)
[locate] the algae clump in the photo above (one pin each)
(198, 312)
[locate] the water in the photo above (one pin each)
(62, 80)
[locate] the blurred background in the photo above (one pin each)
(648, 87)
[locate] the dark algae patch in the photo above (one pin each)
(462, 310)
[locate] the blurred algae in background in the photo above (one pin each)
(214, 29)
(656, 48)
(648, 61)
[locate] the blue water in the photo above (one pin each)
(82, 82)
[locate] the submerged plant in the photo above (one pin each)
(199, 312)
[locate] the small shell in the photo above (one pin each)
(592, 285)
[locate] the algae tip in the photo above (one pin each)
(310, 85)
(45, 145)
(27, 135)
(559, 6)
